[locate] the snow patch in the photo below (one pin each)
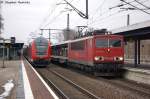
(7, 87)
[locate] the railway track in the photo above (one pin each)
(59, 92)
(101, 87)
(138, 88)
(107, 88)
(70, 88)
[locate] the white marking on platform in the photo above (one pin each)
(48, 88)
(8, 87)
(27, 87)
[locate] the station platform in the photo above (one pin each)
(139, 73)
(143, 68)
(140, 66)
(19, 80)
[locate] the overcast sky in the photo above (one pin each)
(24, 20)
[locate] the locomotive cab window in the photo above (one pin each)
(101, 43)
(115, 43)
(107, 43)
(41, 46)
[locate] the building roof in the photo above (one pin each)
(132, 27)
(16, 45)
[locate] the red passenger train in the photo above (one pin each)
(38, 52)
(100, 52)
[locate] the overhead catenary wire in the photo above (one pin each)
(98, 8)
(106, 17)
(78, 11)
(142, 4)
(100, 18)
(52, 20)
(48, 16)
(103, 13)
(55, 17)
(135, 7)
(120, 5)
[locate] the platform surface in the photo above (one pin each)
(143, 68)
(10, 72)
(27, 84)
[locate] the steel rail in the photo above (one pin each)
(59, 92)
(50, 83)
(84, 91)
(134, 88)
(122, 85)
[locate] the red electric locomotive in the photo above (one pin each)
(101, 52)
(39, 51)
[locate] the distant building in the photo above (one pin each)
(11, 51)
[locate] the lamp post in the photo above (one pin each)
(3, 66)
(3, 53)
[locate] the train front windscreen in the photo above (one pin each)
(103, 43)
(41, 46)
(109, 49)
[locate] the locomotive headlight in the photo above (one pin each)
(101, 58)
(97, 58)
(120, 58)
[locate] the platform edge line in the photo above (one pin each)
(48, 88)
(27, 88)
